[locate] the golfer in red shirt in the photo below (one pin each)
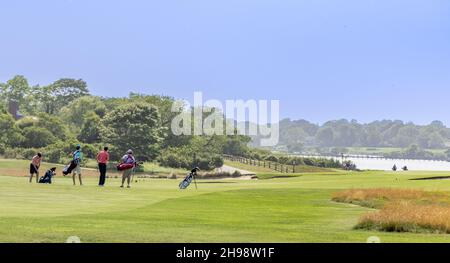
(102, 159)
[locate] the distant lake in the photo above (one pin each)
(387, 164)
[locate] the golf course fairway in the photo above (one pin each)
(296, 209)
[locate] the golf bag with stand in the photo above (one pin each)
(189, 178)
(47, 178)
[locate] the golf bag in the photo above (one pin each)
(188, 179)
(69, 168)
(125, 166)
(47, 178)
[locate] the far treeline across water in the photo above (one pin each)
(392, 139)
(53, 119)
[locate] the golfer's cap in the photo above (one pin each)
(130, 151)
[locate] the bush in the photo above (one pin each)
(37, 137)
(2, 149)
(271, 158)
(218, 161)
(90, 151)
(309, 161)
(174, 158)
(182, 158)
(208, 162)
(26, 122)
(220, 175)
(284, 160)
(60, 152)
(298, 161)
(12, 153)
(53, 155)
(29, 153)
(204, 163)
(321, 162)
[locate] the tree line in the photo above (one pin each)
(295, 135)
(58, 116)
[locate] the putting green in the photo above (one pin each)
(294, 209)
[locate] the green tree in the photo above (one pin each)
(9, 133)
(16, 89)
(75, 112)
(45, 98)
(36, 137)
(134, 126)
(90, 131)
(52, 124)
(67, 90)
(26, 122)
(237, 145)
(164, 105)
(60, 93)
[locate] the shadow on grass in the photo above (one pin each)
(268, 177)
(216, 182)
(430, 178)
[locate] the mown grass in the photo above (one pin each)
(295, 209)
(401, 210)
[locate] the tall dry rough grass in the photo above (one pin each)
(401, 210)
(406, 216)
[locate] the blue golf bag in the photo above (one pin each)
(188, 179)
(47, 178)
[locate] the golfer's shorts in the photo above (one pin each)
(33, 169)
(127, 173)
(77, 170)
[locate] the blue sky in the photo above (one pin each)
(323, 60)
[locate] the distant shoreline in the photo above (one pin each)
(386, 164)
